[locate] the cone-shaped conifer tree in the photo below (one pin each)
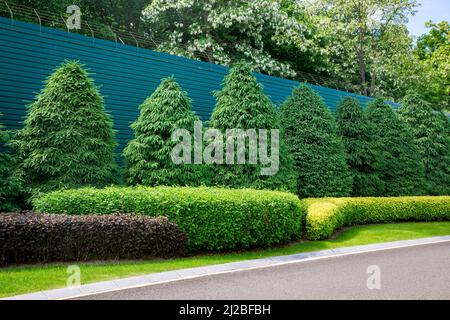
(242, 104)
(67, 140)
(403, 171)
(361, 150)
(318, 152)
(431, 139)
(148, 158)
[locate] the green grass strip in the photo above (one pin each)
(26, 279)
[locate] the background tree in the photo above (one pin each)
(358, 31)
(148, 156)
(10, 187)
(317, 151)
(306, 52)
(224, 31)
(433, 51)
(403, 170)
(121, 14)
(242, 104)
(361, 148)
(424, 68)
(437, 37)
(363, 46)
(67, 140)
(431, 139)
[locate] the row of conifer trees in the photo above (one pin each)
(68, 141)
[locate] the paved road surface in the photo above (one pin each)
(420, 272)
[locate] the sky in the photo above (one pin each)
(435, 10)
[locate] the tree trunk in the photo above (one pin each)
(361, 50)
(209, 52)
(362, 69)
(372, 82)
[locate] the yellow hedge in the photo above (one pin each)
(328, 214)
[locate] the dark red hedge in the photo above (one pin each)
(32, 237)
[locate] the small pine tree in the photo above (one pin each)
(148, 156)
(242, 104)
(318, 152)
(67, 140)
(431, 139)
(403, 171)
(361, 150)
(9, 185)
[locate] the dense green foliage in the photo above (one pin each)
(361, 148)
(403, 170)
(30, 238)
(242, 104)
(67, 140)
(433, 52)
(122, 14)
(431, 139)
(363, 46)
(213, 218)
(9, 186)
(148, 156)
(318, 152)
(224, 31)
(326, 215)
(429, 43)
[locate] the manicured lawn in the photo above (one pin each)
(25, 279)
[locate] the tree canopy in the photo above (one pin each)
(363, 45)
(67, 140)
(317, 151)
(403, 169)
(432, 141)
(224, 32)
(242, 104)
(148, 155)
(361, 148)
(10, 186)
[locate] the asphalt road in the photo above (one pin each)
(420, 272)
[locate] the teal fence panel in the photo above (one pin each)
(125, 74)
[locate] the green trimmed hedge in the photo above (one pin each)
(328, 214)
(214, 218)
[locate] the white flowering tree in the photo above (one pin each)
(225, 31)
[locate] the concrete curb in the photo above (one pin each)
(163, 277)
